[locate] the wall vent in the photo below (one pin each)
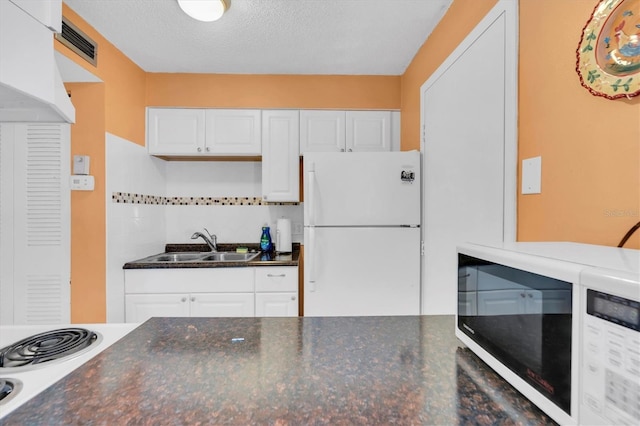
(72, 37)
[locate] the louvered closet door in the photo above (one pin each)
(41, 224)
(6, 223)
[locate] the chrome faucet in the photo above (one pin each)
(211, 240)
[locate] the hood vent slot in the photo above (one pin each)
(72, 37)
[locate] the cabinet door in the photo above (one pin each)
(548, 301)
(175, 131)
(280, 155)
(233, 132)
(468, 303)
(277, 304)
(501, 302)
(222, 305)
(141, 307)
(368, 131)
(322, 131)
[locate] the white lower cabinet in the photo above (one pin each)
(141, 307)
(277, 304)
(221, 305)
(277, 291)
(210, 292)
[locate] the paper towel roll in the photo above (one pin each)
(283, 236)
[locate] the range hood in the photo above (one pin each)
(31, 89)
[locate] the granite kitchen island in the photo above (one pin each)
(283, 371)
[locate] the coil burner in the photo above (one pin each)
(44, 348)
(8, 389)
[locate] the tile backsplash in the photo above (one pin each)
(151, 202)
(127, 197)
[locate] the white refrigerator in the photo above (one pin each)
(362, 233)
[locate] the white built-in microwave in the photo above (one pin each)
(520, 309)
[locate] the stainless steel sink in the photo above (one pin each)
(181, 257)
(174, 257)
(229, 257)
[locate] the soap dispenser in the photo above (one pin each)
(265, 240)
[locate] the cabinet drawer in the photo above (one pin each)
(276, 278)
(196, 280)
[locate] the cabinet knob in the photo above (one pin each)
(193, 299)
(199, 149)
(350, 150)
(521, 294)
(293, 298)
(208, 149)
(341, 149)
(276, 276)
(184, 299)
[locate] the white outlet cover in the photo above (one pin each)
(532, 175)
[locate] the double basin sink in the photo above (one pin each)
(184, 257)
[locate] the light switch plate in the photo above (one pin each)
(532, 175)
(81, 164)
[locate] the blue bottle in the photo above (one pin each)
(265, 240)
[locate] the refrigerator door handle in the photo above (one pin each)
(312, 261)
(311, 174)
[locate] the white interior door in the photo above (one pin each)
(469, 147)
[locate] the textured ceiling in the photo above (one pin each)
(376, 37)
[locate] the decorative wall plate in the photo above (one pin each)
(609, 50)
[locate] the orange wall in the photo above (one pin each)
(460, 19)
(590, 146)
(116, 106)
(88, 253)
(124, 83)
(273, 91)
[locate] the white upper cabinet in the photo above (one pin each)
(233, 132)
(347, 131)
(193, 132)
(368, 131)
(177, 131)
(196, 132)
(322, 131)
(280, 156)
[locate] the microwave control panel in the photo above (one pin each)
(610, 370)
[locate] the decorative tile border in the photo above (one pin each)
(130, 198)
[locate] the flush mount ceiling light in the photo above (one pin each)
(203, 10)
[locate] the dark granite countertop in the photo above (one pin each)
(283, 371)
(263, 259)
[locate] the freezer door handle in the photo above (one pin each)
(312, 261)
(311, 175)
